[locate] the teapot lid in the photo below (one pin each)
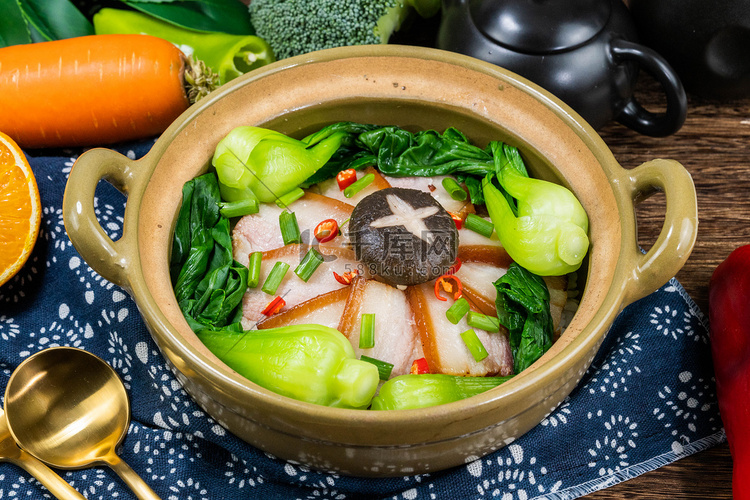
(540, 26)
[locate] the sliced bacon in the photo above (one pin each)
(325, 309)
(330, 187)
(260, 232)
(396, 336)
(489, 254)
(467, 237)
(478, 280)
(443, 346)
(434, 186)
(292, 289)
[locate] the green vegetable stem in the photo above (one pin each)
(254, 162)
(546, 231)
(421, 391)
(228, 55)
(311, 363)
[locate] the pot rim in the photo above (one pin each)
(237, 390)
(543, 372)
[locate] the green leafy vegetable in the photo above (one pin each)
(546, 230)
(421, 391)
(296, 27)
(400, 153)
(13, 29)
(40, 20)
(311, 363)
(254, 162)
(226, 54)
(523, 308)
(208, 282)
(224, 16)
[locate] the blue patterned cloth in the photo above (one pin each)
(647, 400)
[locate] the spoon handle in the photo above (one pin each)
(142, 490)
(55, 484)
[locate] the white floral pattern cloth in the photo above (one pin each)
(647, 400)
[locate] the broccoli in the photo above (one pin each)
(293, 27)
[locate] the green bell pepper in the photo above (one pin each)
(228, 55)
(407, 392)
(311, 363)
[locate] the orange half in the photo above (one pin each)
(20, 209)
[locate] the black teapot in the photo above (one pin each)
(583, 51)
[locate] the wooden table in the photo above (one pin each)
(714, 146)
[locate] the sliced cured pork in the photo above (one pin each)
(434, 186)
(260, 232)
(292, 289)
(330, 187)
(325, 309)
(444, 349)
(396, 335)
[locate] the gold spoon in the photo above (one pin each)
(10, 452)
(68, 408)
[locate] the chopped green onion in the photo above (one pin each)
(384, 368)
(275, 277)
(239, 208)
(289, 227)
(309, 264)
(454, 189)
(253, 266)
(367, 331)
(287, 199)
(457, 311)
(483, 322)
(474, 345)
(359, 185)
(479, 225)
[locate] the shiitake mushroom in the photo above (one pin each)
(403, 236)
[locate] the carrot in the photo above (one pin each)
(90, 90)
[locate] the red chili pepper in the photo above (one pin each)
(729, 317)
(449, 284)
(326, 230)
(419, 367)
(274, 306)
(346, 178)
(347, 277)
(458, 219)
(455, 267)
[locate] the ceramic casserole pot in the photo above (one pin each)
(416, 88)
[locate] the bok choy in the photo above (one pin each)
(208, 282)
(311, 363)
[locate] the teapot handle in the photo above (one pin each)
(635, 116)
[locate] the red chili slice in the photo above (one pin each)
(458, 219)
(346, 178)
(346, 278)
(449, 284)
(455, 267)
(419, 367)
(326, 230)
(274, 306)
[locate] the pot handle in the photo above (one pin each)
(677, 237)
(110, 259)
(635, 116)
